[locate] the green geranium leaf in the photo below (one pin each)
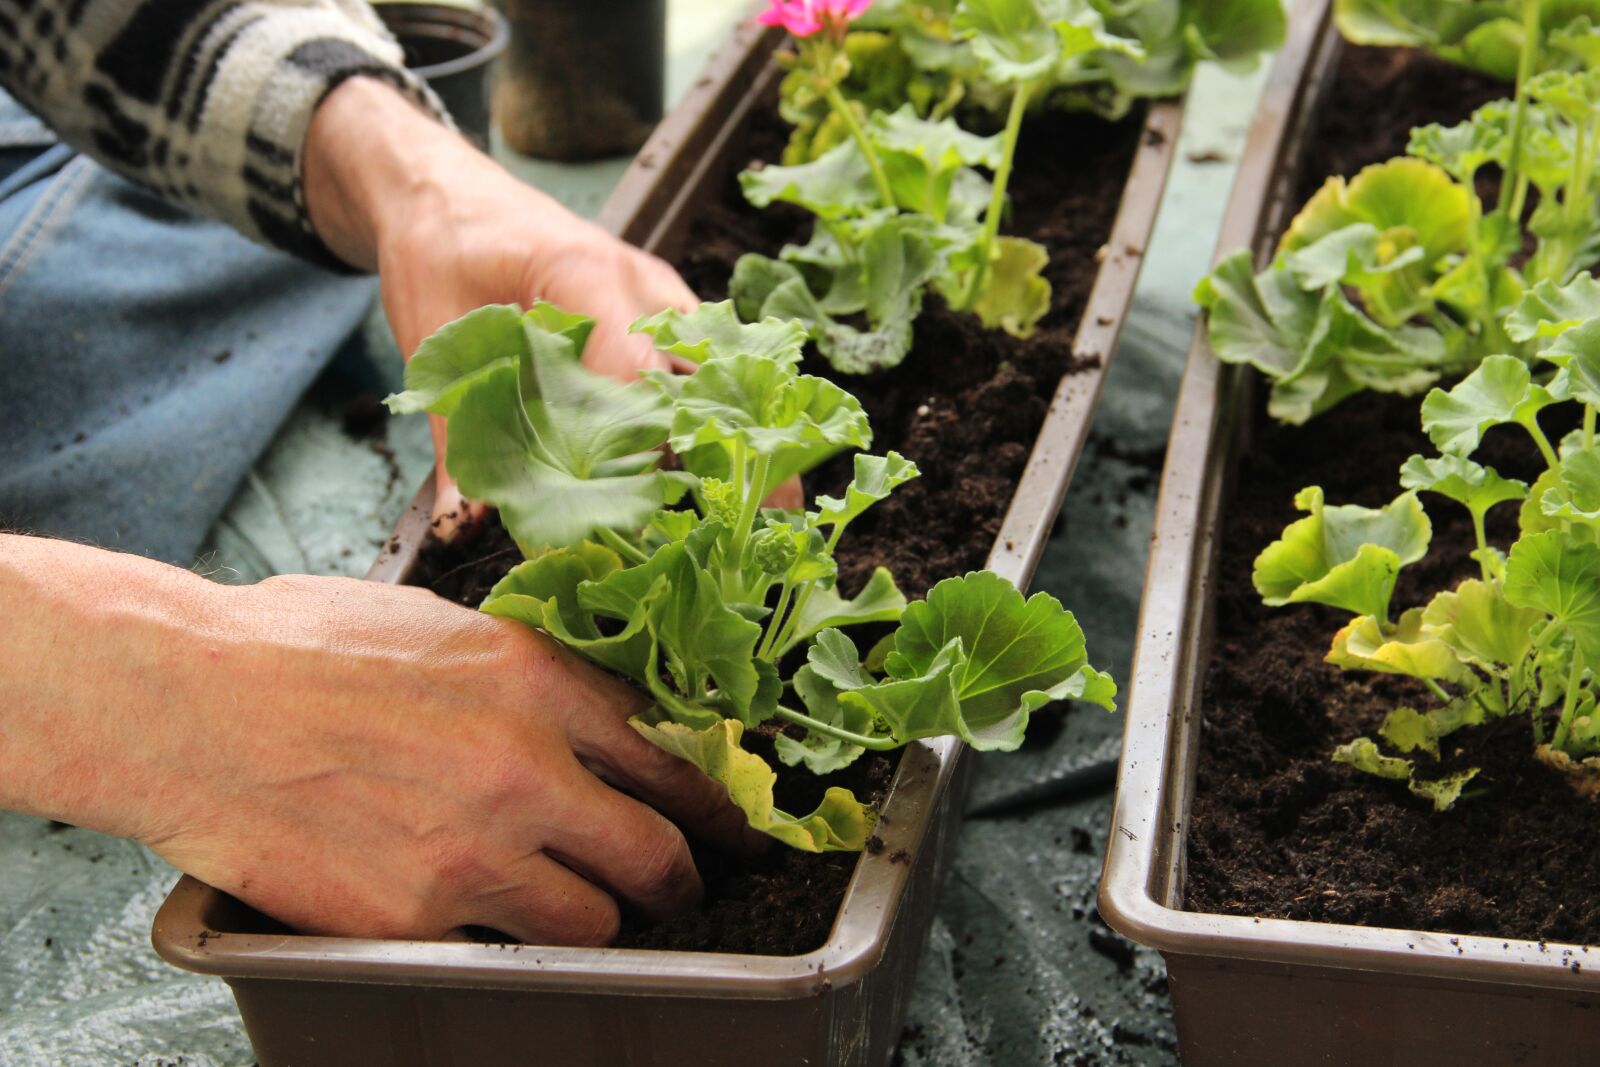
(706, 647)
(543, 592)
(1577, 498)
(1016, 295)
(1559, 575)
(1472, 485)
(457, 355)
(1444, 791)
(1407, 648)
(1500, 391)
(835, 185)
(1577, 352)
(1353, 255)
(1364, 756)
(975, 659)
(749, 402)
(1346, 557)
(712, 331)
(875, 478)
(898, 257)
(560, 451)
(832, 666)
(1481, 625)
(1461, 150)
(840, 823)
(1549, 310)
(1407, 200)
(1316, 348)
(1022, 41)
(880, 600)
(923, 159)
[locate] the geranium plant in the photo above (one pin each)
(900, 206)
(894, 182)
(1523, 636)
(1488, 35)
(1403, 275)
(676, 576)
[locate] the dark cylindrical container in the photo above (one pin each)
(453, 49)
(582, 80)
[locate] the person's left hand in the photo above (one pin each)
(449, 230)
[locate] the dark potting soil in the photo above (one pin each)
(1277, 828)
(967, 402)
(966, 406)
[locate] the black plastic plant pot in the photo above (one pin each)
(582, 81)
(1260, 992)
(344, 1002)
(453, 49)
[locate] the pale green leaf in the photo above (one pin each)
(1346, 556)
(840, 823)
(1500, 391)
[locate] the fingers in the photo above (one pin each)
(615, 752)
(791, 495)
(544, 903)
(624, 846)
(594, 709)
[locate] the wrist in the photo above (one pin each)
(372, 159)
(104, 714)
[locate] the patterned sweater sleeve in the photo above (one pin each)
(205, 102)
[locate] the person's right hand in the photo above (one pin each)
(350, 758)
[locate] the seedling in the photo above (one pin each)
(725, 611)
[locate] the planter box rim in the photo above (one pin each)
(1140, 883)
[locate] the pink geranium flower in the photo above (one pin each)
(803, 18)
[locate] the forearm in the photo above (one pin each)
(382, 175)
(95, 640)
(206, 104)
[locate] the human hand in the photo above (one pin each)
(448, 230)
(350, 758)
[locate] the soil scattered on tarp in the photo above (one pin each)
(966, 406)
(1277, 828)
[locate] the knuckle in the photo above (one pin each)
(662, 858)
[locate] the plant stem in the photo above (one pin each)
(877, 744)
(776, 623)
(847, 115)
(752, 491)
(1588, 426)
(1509, 199)
(1483, 541)
(997, 196)
(1531, 424)
(618, 544)
(1570, 703)
(786, 635)
(1436, 689)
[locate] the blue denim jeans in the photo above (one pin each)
(147, 355)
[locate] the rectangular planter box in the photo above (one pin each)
(340, 1002)
(1268, 992)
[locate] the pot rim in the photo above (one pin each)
(1141, 883)
(414, 18)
